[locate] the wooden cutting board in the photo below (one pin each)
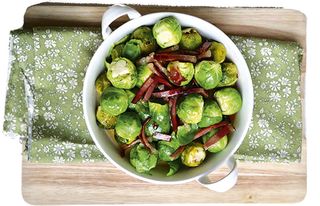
(103, 183)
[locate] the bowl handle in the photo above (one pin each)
(112, 14)
(226, 182)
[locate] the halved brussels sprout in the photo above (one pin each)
(102, 82)
(211, 114)
(160, 121)
(106, 120)
(114, 101)
(190, 109)
(167, 32)
(229, 74)
(142, 160)
(218, 146)
(208, 74)
(122, 73)
(186, 133)
(229, 100)
(218, 52)
(185, 69)
(116, 52)
(144, 72)
(128, 127)
(190, 39)
(144, 34)
(131, 49)
(193, 155)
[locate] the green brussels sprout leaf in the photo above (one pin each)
(174, 166)
(142, 160)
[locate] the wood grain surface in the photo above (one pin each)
(103, 183)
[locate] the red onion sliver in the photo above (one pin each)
(168, 57)
(144, 139)
(124, 147)
(150, 90)
(142, 89)
(161, 136)
(215, 138)
(162, 81)
(204, 47)
(173, 113)
(204, 55)
(205, 130)
(177, 153)
(179, 91)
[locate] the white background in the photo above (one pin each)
(10, 150)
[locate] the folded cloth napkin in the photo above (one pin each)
(44, 96)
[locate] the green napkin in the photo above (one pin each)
(47, 68)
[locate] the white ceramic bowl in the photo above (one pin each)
(212, 162)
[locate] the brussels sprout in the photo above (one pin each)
(174, 166)
(186, 133)
(160, 121)
(218, 52)
(102, 82)
(190, 39)
(190, 109)
(114, 101)
(167, 32)
(166, 149)
(122, 73)
(208, 74)
(142, 159)
(144, 72)
(116, 52)
(185, 69)
(229, 74)
(144, 34)
(218, 146)
(193, 155)
(211, 114)
(131, 49)
(106, 120)
(229, 100)
(128, 127)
